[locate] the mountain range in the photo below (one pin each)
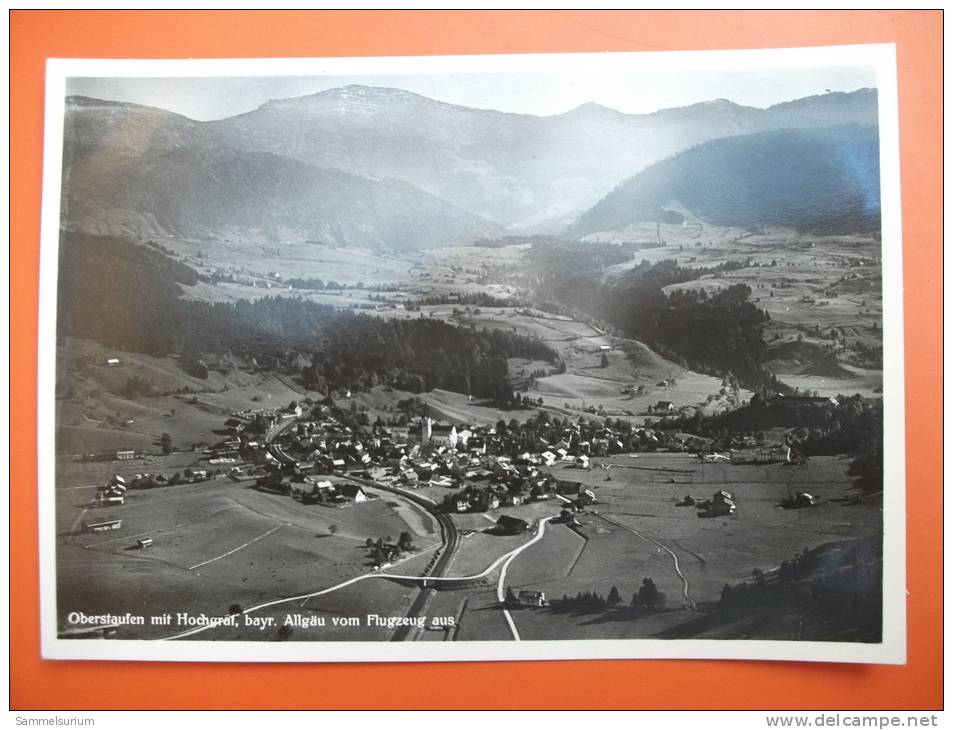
(383, 168)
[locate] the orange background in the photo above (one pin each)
(37, 684)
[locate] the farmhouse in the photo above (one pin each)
(532, 598)
(772, 454)
(722, 503)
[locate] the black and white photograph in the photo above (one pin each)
(489, 357)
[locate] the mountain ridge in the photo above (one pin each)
(516, 172)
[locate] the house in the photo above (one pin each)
(568, 488)
(425, 470)
(585, 498)
(462, 504)
(125, 455)
(773, 455)
(664, 406)
(511, 525)
(532, 598)
(722, 503)
(399, 434)
(351, 492)
(440, 434)
(112, 362)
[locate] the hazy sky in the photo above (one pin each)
(541, 93)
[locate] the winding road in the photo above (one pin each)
(503, 560)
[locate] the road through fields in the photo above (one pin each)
(424, 580)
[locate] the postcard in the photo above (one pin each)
(463, 358)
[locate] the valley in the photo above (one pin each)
(368, 366)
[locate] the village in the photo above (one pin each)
(303, 451)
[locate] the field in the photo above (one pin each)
(217, 543)
(94, 414)
(636, 522)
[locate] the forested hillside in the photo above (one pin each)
(814, 180)
(126, 296)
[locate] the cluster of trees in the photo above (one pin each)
(315, 284)
(385, 550)
(588, 601)
(504, 241)
(118, 292)
(647, 598)
(136, 387)
(418, 355)
(710, 333)
(845, 577)
(549, 260)
(474, 299)
(853, 425)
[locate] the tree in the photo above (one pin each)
(333, 529)
(604, 362)
(165, 440)
(648, 594)
(510, 598)
(613, 598)
(405, 542)
(759, 578)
